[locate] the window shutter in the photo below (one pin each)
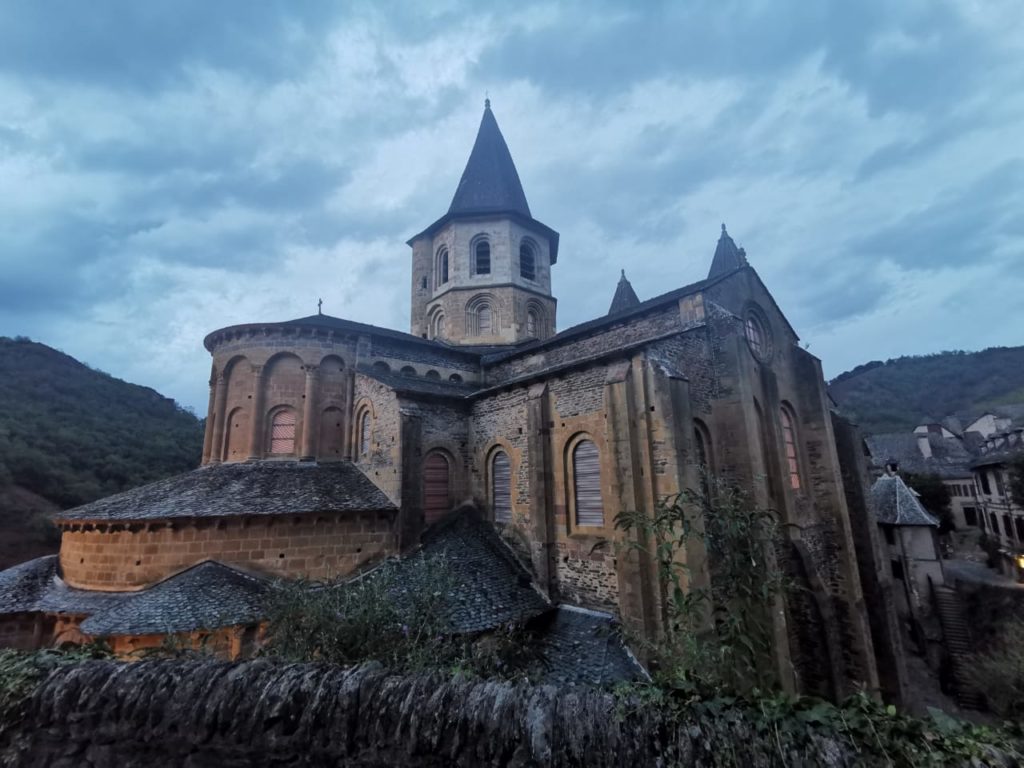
(587, 476)
(435, 487)
(282, 433)
(501, 487)
(484, 320)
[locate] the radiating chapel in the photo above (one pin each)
(486, 432)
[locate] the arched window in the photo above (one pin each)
(432, 374)
(381, 367)
(437, 325)
(527, 262)
(408, 370)
(364, 433)
(501, 487)
(789, 439)
(483, 320)
(436, 482)
(455, 378)
(758, 337)
(441, 267)
(586, 475)
(282, 432)
(482, 258)
(531, 323)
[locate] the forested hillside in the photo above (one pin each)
(899, 394)
(70, 434)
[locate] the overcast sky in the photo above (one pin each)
(171, 167)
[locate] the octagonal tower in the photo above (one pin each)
(481, 274)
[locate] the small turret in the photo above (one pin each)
(625, 297)
(728, 257)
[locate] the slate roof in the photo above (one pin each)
(206, 596)
(490, 182)
(949, 457)
(582, 646)
(728, 258)
(894, 503)
(492, 588)
(420, 385)
(625, 297)
(248, 488)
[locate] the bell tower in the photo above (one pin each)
(481, 274)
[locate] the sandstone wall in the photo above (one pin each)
(119, 557)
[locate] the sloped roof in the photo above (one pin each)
(246, 488)
(894, 503)
(728, 258)
(206, 596)
(625, 297)
(490, 182)
(420, 385)
(491, 587)
(949, 459)
(582, 646)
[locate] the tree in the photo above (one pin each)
(935, 497)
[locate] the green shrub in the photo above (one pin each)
(999, 670)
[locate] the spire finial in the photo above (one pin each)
(487, 100)
(623, 274)
(723, 228)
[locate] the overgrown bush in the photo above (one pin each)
(998, 671)
(718, 635)
(398, 615)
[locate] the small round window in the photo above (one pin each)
(758, 336)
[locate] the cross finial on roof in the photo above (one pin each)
(487, 100)
(319, 306)
(623, 274)
(723, 227)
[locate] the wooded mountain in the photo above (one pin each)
(899, 394)
(70, 434)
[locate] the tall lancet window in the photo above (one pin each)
(282, 432)
(527, 262)
(441, 267)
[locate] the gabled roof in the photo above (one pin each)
(728, 258)
(243, 488)
(490, 182)
(625, 297)
(894, 503)
(949, 459)
(420, 385)
(208, 595)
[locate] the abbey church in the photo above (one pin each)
(331, 444)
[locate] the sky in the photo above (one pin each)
(171, 167)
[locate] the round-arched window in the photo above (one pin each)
(758, 336)
(482, 258)
(527, 262)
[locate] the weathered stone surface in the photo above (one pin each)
(199, 714)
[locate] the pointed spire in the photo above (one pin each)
(625, 297)
(490, 182)
(727, 256)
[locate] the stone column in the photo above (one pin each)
(219, 419)
(538, 448)
(256, 426)
(310, 415)
(210, 418)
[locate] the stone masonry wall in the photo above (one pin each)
(312, 546)
(382, 463)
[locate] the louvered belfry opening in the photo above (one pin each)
(282, 432)
(586, 470)
(501, 487)
(436, 496)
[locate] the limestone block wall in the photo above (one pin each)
(119, 557)
(444, 427)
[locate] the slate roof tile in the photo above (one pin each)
(584, 646)
(894, 503)
(249, 488)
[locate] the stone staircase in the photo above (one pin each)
(958, 644)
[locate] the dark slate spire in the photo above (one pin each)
(727, 256)
(625, 297)
(490, 182)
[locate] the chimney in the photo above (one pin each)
(924, 446)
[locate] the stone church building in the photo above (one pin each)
(330, 444)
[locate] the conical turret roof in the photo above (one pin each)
(490, 182)
(625, 297)
(727, 256)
